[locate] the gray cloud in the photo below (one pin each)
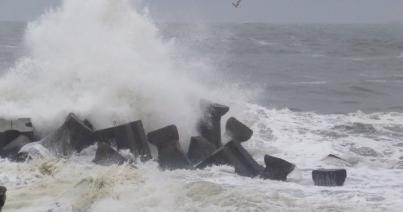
(293, 11)
(334, 11)
(22, 10)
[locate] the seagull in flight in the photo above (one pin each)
(236, 3)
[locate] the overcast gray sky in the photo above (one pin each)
(326, 11)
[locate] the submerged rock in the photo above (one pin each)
(11, 150)
(331, 156)
(33, 150)
(365, 151)
(106, 155)
(276, 168)
(356, 128)
(170, 154)
(399, 165)
(329, 177)
(73, 135)
(210, 124)
(237, 130)
(3, 191)
(127, 136)
(11, 129)
(331, 134)
(235, 155)
(336, 160)
(199, 149)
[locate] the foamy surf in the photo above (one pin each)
(373, 183)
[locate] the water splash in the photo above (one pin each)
(105, 61)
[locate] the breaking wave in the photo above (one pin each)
(103, 60)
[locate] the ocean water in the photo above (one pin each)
(336, 68)
(306, 90)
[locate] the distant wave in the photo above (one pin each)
(311, 83)
(365, 90)
(377, 81)
(318, 55)
(8, 46)
(261, 42)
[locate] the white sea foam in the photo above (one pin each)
(311, 83)
(261, 42)
(373, 182)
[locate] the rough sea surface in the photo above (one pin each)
(306, 90)
(336, 68)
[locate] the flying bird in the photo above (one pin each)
(236, 3)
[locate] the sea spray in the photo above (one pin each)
(104, 61)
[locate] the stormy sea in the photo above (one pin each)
(306, 91)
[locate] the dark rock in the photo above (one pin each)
(11, 129)
(127, 136)
(170, 154)
(89, 124)
(235, 155)
(24, 126)
(199, 149)
(276, 168)
(217, 158)
(73, 135)
(11, 150)
(210, 124)
(3, 191)
(5, 125)
(106, 155)
(243, 162)
(164, 136)
(329, 177)
(237, 130)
